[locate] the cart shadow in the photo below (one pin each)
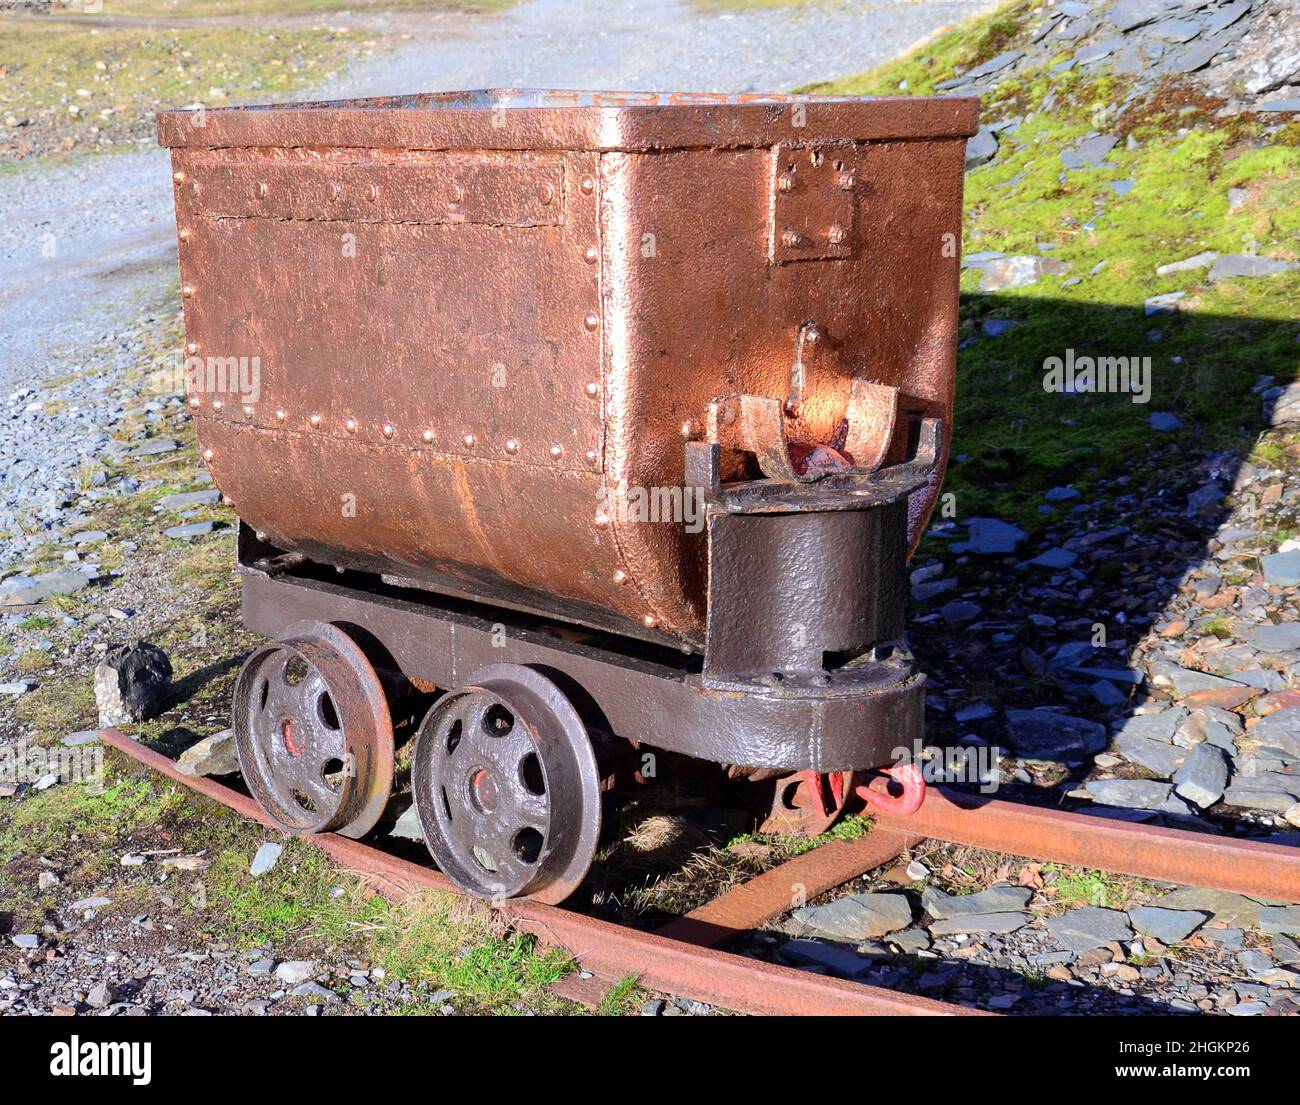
(1013, 441)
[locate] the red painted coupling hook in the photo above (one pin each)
(909, 777)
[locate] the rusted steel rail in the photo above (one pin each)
(770, 894)
(674, 966)
(682, 958)
(1255, 868)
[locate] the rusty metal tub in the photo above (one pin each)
(477, 326)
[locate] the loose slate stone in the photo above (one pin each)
(1176, 30)
(1169, 926)
(1164, 422)
(997, 899)
(1098, 50)
(1130, 14)
(1231, 265)
(83, 904)
(1042, 735)
(25, 591)
(314, 990)
(1197, 56)
(957, 612)
(1280, 920)
(1200, 261)
(1286, 951)
(1107, 693)
(981, 148)
(268, 855)
(184, 499)
(1164, 304)
(990, 537)
(980, 923)
(1133, 794)
(1280, 729)
(994, 65)
(1156, 756)
(1271, 791)
(833, 957)
(1209, 725)
(1054, 559)
(1186, 681)
(1159, 726)
(1280, 569)
(859, 917)
(1226, 16)
(191, 529)
(1082, 929)
(1280, 638)
(909, 941)
(1201, 780)
(1091, 151)
(1225, 908)
(154, 448)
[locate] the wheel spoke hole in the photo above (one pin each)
(263, 694)
(453, 736)
(295, 671)
(446, 803)
(484, 859)
(305, 801)
(498, 721)
(530, 774)
(332, 773)
(328, 714)
(527, 844)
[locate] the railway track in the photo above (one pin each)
(684, 957)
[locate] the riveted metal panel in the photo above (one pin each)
(484, 382)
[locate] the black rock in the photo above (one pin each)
(133, 683)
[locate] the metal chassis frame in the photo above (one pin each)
(640, 698)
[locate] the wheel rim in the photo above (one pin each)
(313, 732)
(506, 787)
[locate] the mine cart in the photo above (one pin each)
(596, 419)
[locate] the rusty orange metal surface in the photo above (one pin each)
(482, 321)
(753, 903)
(1252, 867)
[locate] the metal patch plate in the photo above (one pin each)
(813, 190)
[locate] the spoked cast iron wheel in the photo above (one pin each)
(506, 787)
(313, 732)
